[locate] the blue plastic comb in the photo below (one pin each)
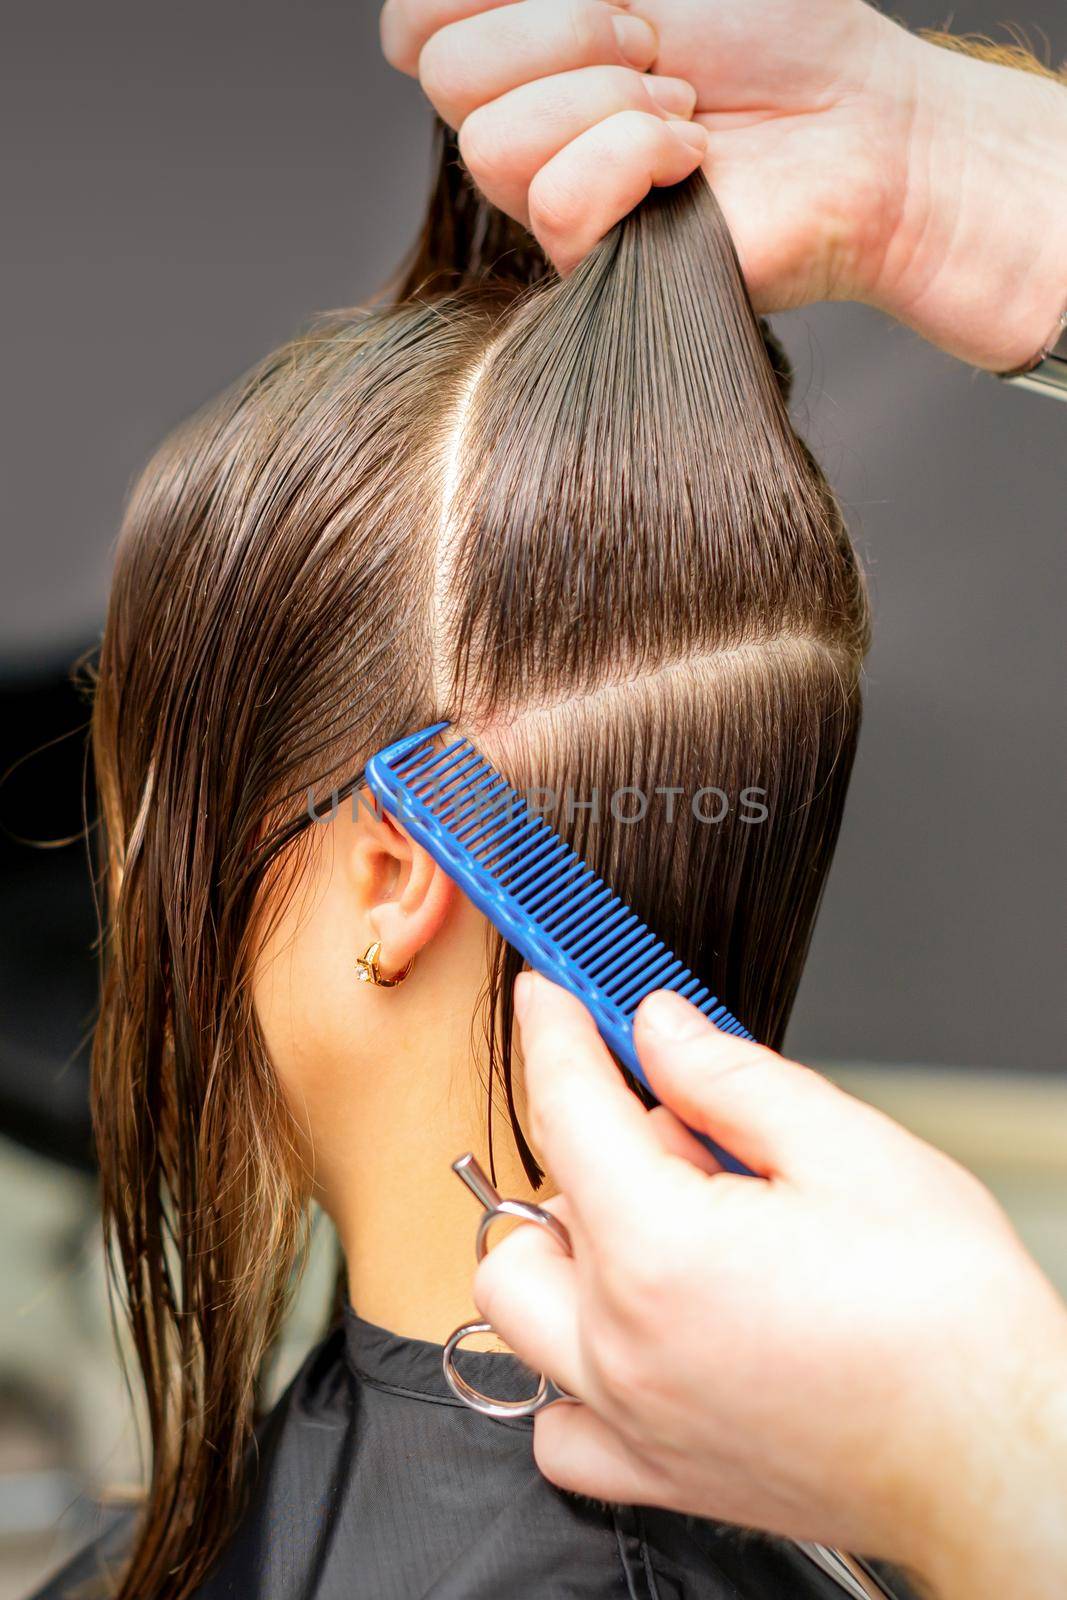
(535, 889)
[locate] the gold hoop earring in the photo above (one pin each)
(368, 970)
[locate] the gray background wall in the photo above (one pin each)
(182, 185)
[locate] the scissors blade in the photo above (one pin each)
(846, 1571)
(467, 1168)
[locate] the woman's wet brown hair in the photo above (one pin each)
(572, 518)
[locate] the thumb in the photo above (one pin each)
(781, 1119)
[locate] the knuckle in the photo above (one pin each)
(634, 1279)
(647, 1280)
(443, 72)
(618, 1365)
(572, 101)
(484, 148)
(391, 25)
(590, 30)
(610, 90)
(402, 27)
(636, 132)
(555, 210)
(630, 89)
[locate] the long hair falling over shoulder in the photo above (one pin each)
(571, 517)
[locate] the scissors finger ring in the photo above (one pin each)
(548, 1393)
(851, 1576)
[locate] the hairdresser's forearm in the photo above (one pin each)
(976, 258)
(998, 1510)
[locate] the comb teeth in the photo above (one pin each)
(538, 892)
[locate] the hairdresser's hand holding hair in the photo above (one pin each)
(857, 1350)
(852, 160)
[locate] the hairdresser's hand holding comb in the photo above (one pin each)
(852, 160)
(857, 1350)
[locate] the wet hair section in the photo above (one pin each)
(646, 589)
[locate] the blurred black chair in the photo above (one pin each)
(48, 971)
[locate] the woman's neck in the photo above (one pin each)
(383, 1156)
(407, 1226)
(407, 1223)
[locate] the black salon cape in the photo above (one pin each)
(373, 1481)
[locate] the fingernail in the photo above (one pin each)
(673, 1018)
(636, 41)
(673, 95)
(692, 134)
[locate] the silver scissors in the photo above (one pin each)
(548, 1393)
(853, 1577)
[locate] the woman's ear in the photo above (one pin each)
(402, 892)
